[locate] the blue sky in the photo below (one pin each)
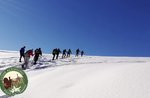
(99, 27)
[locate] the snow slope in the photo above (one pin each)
(86, 77)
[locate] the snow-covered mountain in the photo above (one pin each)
(86, 77)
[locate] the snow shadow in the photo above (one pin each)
(4, 96)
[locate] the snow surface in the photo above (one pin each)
(86, 77)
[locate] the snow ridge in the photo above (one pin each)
(86, 77)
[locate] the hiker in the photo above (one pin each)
(57, 53)
(64, 53)
(69, 52)
(54, 53)
(77, 52)
(36, 55)
(82, 53)
(27, 58)
(40, 51)
(22, 50)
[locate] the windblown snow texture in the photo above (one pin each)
(86, 77)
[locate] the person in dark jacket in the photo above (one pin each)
(69, 52)
(64, 53)
(36, 55)
(22, 51)
(40, 51)
(77, 52)
(82, 53)
(57, 53)
(54, 52)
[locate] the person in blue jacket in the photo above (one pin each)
(22, 51)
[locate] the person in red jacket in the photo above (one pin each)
(27, 58)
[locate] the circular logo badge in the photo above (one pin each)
(13, 81)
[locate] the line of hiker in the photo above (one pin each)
(78, 51)
(38, 52)
(26, 55)
(56, 52)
